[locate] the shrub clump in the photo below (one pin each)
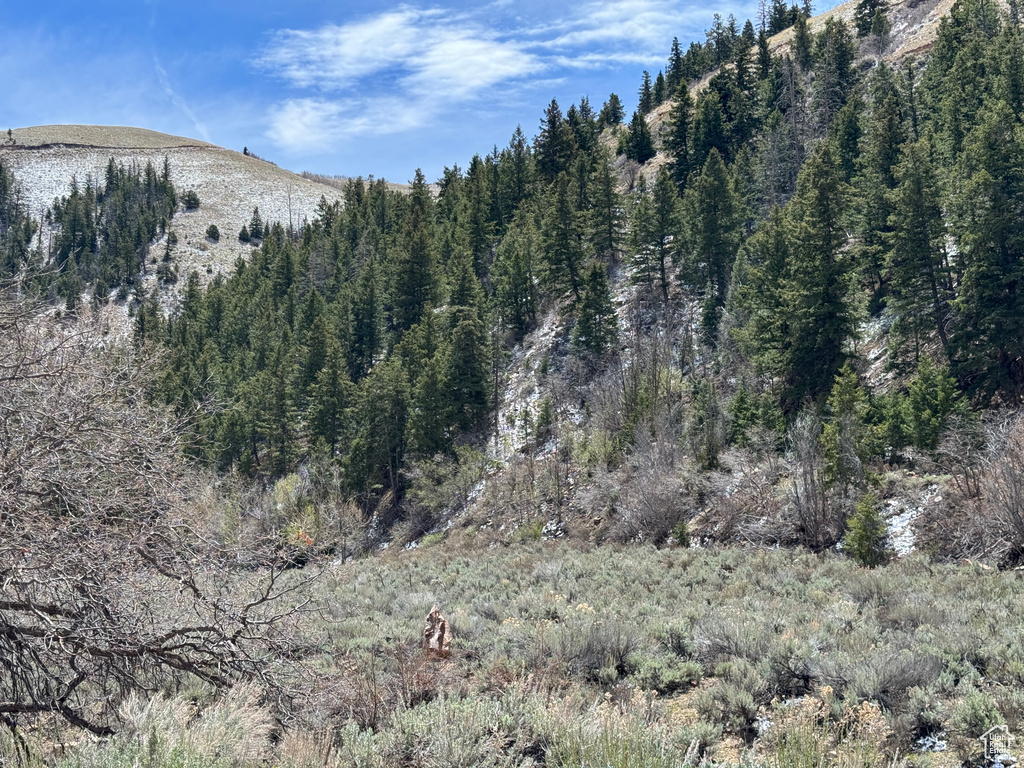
(190, 199)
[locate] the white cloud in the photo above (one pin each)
(335, 57)
(649, 23)
(458, 65)
(315, 125)
(426, 59)
(418, 62)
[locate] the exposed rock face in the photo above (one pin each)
(437, 636)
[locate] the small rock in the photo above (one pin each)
(437, 636)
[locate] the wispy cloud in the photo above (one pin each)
(421, 62)
(642, 25)
(316, 124)
(417, 63)
(177, 100)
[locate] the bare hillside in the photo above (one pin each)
(229, 184)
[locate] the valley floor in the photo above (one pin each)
(619, 656)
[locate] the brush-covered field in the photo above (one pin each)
(616, 657)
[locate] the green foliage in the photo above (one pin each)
(596, 327)
(562, 237)
(105, 233)
(712, 235)
(190, 199)
(16, 228)
(413, 275)
(553, 147)
(932, 398)
(814, 296)
(677, 141)
(845, 435)
(213, 233)
(654, 227)
(612, 113)
(639, 145)
(681, 534)
(866, 538)
(515, 290)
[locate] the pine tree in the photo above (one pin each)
(563, 240)
(612, 113)
(845, 136)
(865, 14)
(675, 72)
(665, 226)
(553, 146)
(780, 17)
(641, 236)
(596, 326)
(515, 293)
(920, 287)
(708, 130)
(329, 397)
(876, 180)
(764, 56)
(654, 228)
(819, 317)
(931, 398)
(866, 535)
(762, 270)
(748, 36)
(479, 225)
(583, 124)
(646, 94)
(366, 324)
(802, 43)
(988, 339)
(430, 414)
(606, 218)
(466, 371)
(844, 436)
(660, 89)
(515, 175)
(639, 144)
(377, 449)
(412, 271)
(677, 139)
(256, 225)
(834, 75)
(712, 215)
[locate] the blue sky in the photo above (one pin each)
(350, 88)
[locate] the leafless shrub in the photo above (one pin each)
(652, 493)
(1003, 481)
(817, 525)
(106, 586)
(512, 494)
(961, 453)
(743, 505)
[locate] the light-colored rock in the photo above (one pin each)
(437, 636)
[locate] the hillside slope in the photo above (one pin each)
(229, 183)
